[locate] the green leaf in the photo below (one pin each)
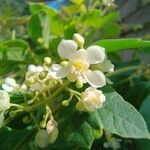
(77, 133)
(56, 24)
(35, 8)
(39, 28)
(145, 111)
(93, 18)
(137, 93)
(12, 53)
(76, 129)
(14, 50)
(121, 118)
(78, 2)
(15, 139)
(113, 45)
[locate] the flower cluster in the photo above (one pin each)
(79, 65)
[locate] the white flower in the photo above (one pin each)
(38, 78)
(92, 99)
(32, 78)
(1, 119)
(4, 101)
(35, 69)
(10, 85)
(113, 143)
(79, 63)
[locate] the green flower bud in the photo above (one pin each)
(97, 133)
(47, 61)
(43, 75)
(26, 119)
(12, 113)
(40, 40)
(64, 63)
(79, 106)
(30, 81)
(79, 84)
(65, 103)
(147, 73)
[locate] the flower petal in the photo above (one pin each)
(10, 81)
(62, 72)
(108, 66)
(7, 87)
(57, 71)
(95, 54)
(66, 48)
(32, 68)
(95, 78)
(79, 55)
(55, 67)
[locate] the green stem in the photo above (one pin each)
(16, 105)
(58, 91)
(125, 69)
(72, 91)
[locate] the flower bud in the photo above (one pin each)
(65, 103)
(80, 106)
(4, 101)
(12, 113)
(41, 139)
(27, 119)
(53, 135)
(43, 75)
(79, 84)
(51, 124)
(30, 81)
(47, 61)
(92, 99)
(64, 63)
(147, 73)
(52, 130)
(78, 39)
(32, 68)
(40, 40)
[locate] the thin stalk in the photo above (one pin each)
(58, 91)
(125, 69)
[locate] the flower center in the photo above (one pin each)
(79, 66)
